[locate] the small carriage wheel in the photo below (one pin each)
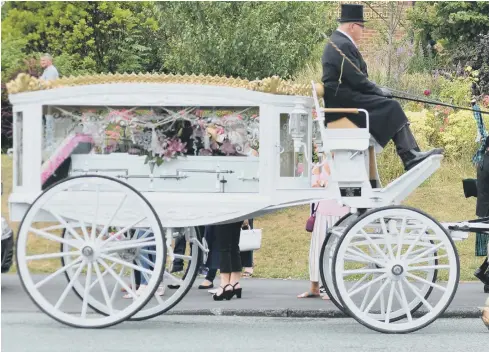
(170, 298)
(85, 206)
(191, 272)
(410, 237)
(325, 266)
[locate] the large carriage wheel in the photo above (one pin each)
(393, 278)
(84, 207)
(164, 298)
(326, 259)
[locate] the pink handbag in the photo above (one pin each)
(312, 219)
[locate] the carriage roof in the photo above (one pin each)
(226, 90)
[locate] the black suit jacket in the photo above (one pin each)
(351, 78)
(357, 91)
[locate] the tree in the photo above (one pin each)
(88, 36)
(454, 22)
(246, 39)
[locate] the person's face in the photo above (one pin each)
(45, 62)
(356, 30)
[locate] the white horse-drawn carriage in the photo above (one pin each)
(205, 150)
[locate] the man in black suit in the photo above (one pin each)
(346, 85)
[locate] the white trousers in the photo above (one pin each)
(321, 226)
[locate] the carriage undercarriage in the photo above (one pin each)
(392, 268)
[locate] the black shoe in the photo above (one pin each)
(483, 276)
(237, 291)
(226, 294)
(204, 287)
(412, 158)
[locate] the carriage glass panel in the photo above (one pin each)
(155, 148)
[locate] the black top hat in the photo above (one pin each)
(351, 13)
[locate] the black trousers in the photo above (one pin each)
(227, 236)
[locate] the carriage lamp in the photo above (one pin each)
(298, 125)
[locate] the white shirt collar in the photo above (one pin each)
(339, 30)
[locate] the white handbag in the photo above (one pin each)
(250, 240)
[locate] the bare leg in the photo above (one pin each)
(225, 280)
(313, 292)
(235, 279)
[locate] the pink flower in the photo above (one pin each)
(442, 129)
(220, 130)
(485, 101)
(300, 168)
(228, 148)
(205, 152)
(427, 92)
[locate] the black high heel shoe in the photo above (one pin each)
(236, 291)
(226, 294)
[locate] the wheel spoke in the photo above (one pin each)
(66, 225)
(158, 298)
(365, 298)
(405, 302)
(418, 237)
(119, 280)
(387, 238)
(48, 236)
(381, 277)
(128, 245)
(106, 227)
(363, 271)
(105, 292)
(363, 278)
(94, 222)
(428, 267)
(377, 295)
(147, 261)
(115, 235)
(377, 248)
(147, 251)
(84, 230)
(103, 274)
(57, 272)
(123, 262)
(428, 251)
(116, 286)
(181, 256)
(432, 284)
(400, 238)
(416, 292)
(62, 298)
(389, 302)
(52, 255)
(86, 294)
(145, 234)
(427, 259)
(365, 256)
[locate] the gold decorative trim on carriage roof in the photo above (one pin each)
(273, 85)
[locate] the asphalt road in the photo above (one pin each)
(35, 332)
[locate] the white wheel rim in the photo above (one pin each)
(95, 249)
(328, 264)
(161, 304)
(396, 282)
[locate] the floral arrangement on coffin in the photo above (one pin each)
(164, 134)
